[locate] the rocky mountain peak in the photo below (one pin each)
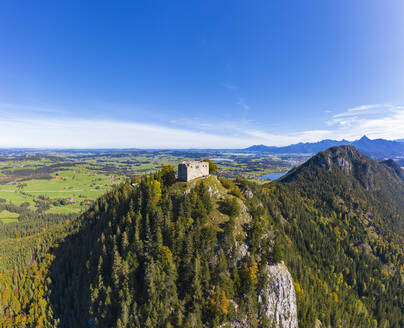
(339, 161)
(343, 157)
(364, 138)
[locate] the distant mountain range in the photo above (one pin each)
(377, 148)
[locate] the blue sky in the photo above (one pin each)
(200, 74)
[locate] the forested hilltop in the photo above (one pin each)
(215, 252)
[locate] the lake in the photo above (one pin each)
(273, 176)
(219, 159)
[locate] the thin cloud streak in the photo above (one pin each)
(17, 131)
(365, 107)
(8, 107)
(376, 121)
(241, 102)
(365, 110)
(79, 133)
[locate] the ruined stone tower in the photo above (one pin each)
(192, 170)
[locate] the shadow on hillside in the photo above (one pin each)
(70, 289)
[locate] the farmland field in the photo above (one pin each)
(7, 216)
(63, 182)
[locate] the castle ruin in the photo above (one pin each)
(188, 171)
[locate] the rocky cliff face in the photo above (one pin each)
(278, 299)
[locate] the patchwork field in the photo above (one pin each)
(68, 182)
(7, 216)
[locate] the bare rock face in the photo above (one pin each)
(344, 164)
(325, 163)
(338, 159)
(277, 302)
(278, 299)
(247, 193)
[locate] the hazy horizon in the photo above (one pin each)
(165, 148)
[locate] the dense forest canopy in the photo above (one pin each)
(154, 252)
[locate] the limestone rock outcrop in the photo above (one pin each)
(278, 299)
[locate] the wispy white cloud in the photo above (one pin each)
(235, 91)
(241, 102)
(376, 121)
(37, 131)
(12, 108)
(364, 110)
(80, 133)
(230, 87)
(365, 107)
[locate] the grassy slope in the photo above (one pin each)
(7, 216)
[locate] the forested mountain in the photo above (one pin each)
(355, 233)
(215, 252)
(377, 148)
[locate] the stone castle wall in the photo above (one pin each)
(191, 170)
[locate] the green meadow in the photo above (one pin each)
(7, 216)
(68, 182)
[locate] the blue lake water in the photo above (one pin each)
(273, 176)
(241, 154)
(220, 159)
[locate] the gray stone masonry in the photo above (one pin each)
(188, 171)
